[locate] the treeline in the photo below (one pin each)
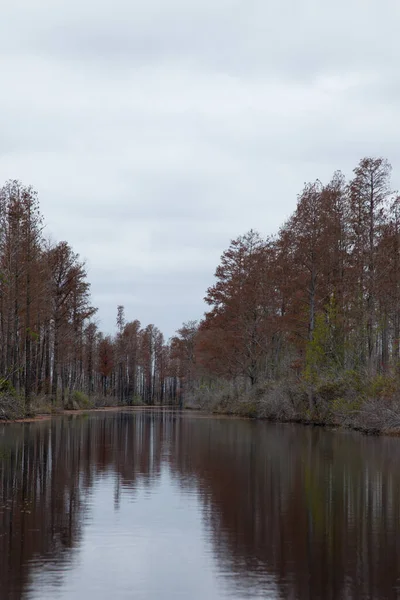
(50, 345)
(318, 304)
(318, 300)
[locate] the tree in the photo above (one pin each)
(183, 349)
(20, 247)
(238, 317)
(106, 362)
(70, 307)
(369, 191)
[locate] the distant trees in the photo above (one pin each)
(49, 344)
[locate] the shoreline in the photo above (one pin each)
(368, 431)
(39, 417)
(201, 413)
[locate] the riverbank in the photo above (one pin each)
(202, 413)
(287, 402)
(350, 402)
(69, 412)
(82, 411)
(13, 410)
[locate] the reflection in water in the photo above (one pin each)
(152, 504)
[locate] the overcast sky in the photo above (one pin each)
(157, 131)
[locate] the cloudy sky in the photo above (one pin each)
(157, 131)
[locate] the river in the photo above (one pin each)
(152, 505)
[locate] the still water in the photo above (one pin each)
(151, 506)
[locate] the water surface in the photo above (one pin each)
(151, 505)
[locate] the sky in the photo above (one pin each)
(157, 131)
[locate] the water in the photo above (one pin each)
(150, 505)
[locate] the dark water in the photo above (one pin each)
(160, 506)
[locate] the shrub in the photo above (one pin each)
(6, 387)
(82, 400)
(384, 387)
(11, 407)
(136, 401)
(345, 406)
(248, 409)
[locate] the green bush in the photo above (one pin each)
(345, 405)
(136, 401)
(82, 400)
(384, 387)
(328, 390)
(248, 409)
(349, 384)
(6, 387)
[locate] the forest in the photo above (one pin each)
(302, 325)
(52, 354)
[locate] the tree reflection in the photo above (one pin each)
(318, 510)
(315, 511)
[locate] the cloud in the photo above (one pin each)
(156, 132)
